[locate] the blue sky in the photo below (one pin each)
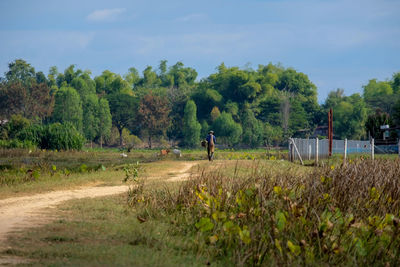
(338, 44)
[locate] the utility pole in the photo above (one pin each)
(330, 130)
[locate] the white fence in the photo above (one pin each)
(306, 148)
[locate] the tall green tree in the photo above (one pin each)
(90, 117)
(253, 129)
(123, 108)
(68, 107)
(105, 120)
(191, 127)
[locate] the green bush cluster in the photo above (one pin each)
(346, 215)
(51, 136)
(15, 143)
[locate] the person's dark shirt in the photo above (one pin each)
(209, 137)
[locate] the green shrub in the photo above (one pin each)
(53, 136)
(61, 137)
(33, 134)
(14, 143)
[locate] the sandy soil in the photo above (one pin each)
(24, 212)
(19, 212)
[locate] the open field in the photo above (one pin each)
(25, 171)
(236, 212)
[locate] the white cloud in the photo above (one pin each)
(105, 14)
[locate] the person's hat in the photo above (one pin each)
(211, 132)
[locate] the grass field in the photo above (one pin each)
(242, 211)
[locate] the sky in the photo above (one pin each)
(338, 44)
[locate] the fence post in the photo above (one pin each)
(345, 150)
(372, 149)
(309, 152)
(316, 151)
(398, 147)
(291, 151)
(297, 151)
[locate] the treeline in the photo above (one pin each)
(167, 105)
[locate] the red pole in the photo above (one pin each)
(330, 130)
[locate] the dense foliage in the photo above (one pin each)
(243, 106)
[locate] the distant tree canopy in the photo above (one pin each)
(248, 107)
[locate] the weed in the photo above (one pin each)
(345, 215)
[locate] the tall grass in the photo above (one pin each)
(343, 215)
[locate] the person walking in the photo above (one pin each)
(211, 140)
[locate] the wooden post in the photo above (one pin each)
(316, 151)
(309, 151)
(297, 151)
(293, 156)
(330, 131)
(345, 150)
(372, 149)
(290, 151)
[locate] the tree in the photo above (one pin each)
(90, 117)
(273, 134)
(68, 107)
(177, 76)
(31, 102)
(41, 78)
(123, 110)
(105, 120)
(191, 127)
(235, 84)
(396, 83)
(299, 120)
(252, 128)
(227, 130)
(374, 123)
(380, 95)
(16, 124)
(153, 115)
(132, 77)
(270, 110)
(205, 99)
(205, 128)
(20, 71)
(150, 78)
(12, 98)
(110, 83)
(215, 113)
(349, 115)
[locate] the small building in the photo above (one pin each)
(320, 131)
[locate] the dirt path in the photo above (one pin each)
(182, 174)
(20, 212)
(24, 212)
